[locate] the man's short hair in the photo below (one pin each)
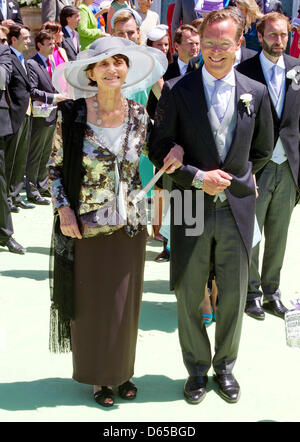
(272, 16)
(221, 15)
(14, 31)
(123, 17)
(67, 11)
(41, 36)
(179, 31)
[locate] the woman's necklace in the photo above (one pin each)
(96, 107)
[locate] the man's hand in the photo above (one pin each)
(7, 23)
(68, 223)
(174, 159)
(215, 181)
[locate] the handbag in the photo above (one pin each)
(105, 220)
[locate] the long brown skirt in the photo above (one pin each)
(109, 274)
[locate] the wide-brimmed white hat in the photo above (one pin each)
(146, 66)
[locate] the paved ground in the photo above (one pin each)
(37, 386)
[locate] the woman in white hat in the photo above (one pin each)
(99, 237)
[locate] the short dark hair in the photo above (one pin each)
(67, 11)
(179, 31)
(41, 36)
(272, 16)
(220, 15)
(92, 65)
(14, 31)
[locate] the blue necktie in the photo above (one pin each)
(21, 58)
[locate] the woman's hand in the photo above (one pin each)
(68, 223)
(174, 159)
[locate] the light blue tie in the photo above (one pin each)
(216, 100)
(274, 82)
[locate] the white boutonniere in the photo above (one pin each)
(11, 5)
(246, 99)
(292, 75)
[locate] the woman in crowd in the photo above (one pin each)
(59, 54)
(251, 13)
(99, 237)
(150, 19)
(87, 28)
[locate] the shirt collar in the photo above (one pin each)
(18, 53)
(209, 79)
(238, 56)
(181, 63)
(268, 64)
(70, 31)
(44, 59)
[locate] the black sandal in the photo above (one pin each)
(125, 388)
(102, 395)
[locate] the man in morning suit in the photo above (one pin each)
(225, 140)
(10, 11)
(42, 90)
(278, 181)
(69, 19)
(20, 112)
(6, 226)
(187, 46)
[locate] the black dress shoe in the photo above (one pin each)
(13, 208)
(164, 256)
(229, 388)
(254, 309)
(275, 307)
(23, 205)
(13, 246)
(44, 192)
(38, 200)
(195, 389)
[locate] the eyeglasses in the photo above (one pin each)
(3, 40)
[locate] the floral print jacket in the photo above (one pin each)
(99, 181)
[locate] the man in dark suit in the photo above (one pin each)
(9, 10)
(42, 91)
(69, 19)
(20, 110)
(226, 137)
(278, 182)
(6, 227)
(51, 9)
(184, 13)
(187, 46)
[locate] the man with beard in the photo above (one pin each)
(278, 181)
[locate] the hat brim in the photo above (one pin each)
(146, 66)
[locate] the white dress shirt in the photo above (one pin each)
(182, 66)
(209, 86)
(4, 9)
